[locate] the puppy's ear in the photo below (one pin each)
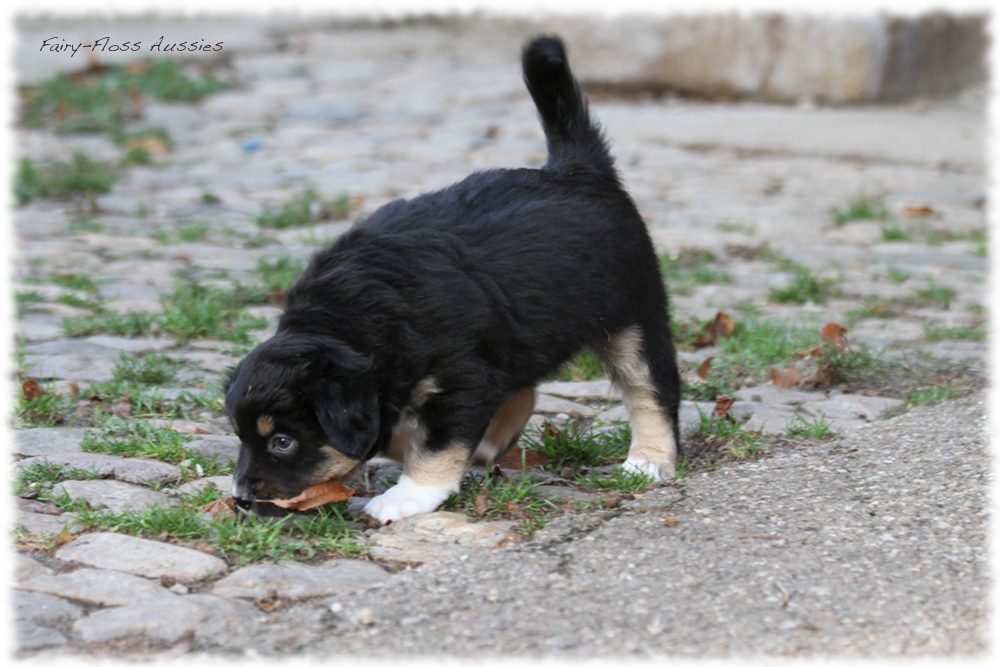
(349, 417)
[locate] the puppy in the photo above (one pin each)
(421, 333)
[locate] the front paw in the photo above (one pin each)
(407, 498)
(640, 466)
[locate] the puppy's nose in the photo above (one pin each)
(242, 495)
(243, 504)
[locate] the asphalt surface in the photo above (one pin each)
(867, 546)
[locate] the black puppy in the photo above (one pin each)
(422, 332)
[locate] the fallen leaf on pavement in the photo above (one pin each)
(314, 496)
(532, 459)
(31, 389)
(918, 211)
(833, 333)
(721, 327)
(785, 377)
(220, 508)
(722, 405)
(704, 367)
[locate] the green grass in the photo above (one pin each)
(501, 497)
(197, 311)
(128, 325)
(873, 307)
(240, 539)
(739, 442)
(579, 446)
(982, 241)
(107, 100)
(932, 394)
(897, 275)
(80, 177)
(933, 332)
(34, 478)
(861, 208)
(896, 232)
(585, 366)
(756, 345)
(618, 479)
(302, 210)
(936, 294)
(45, 410)
(136, 438)
(280, 275)
(804, 288)
(818, 428)
(142, 145)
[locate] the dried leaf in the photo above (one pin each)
(31, 389)
(189, 427)
(722, 405)
(704, 367)
(670, 522)
(721, 327)
(122, 408)
(482, 502)
(918, 211)
(152, 145)
(785, 377)
(221, 508)
(833, 333)
(531, 459)
(84, 411)
(822, 376)
(314, 496)
(811, 352)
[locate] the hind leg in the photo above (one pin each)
(644, 367)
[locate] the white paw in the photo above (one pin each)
(407, 498)
(645, 467)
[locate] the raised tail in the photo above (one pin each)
(573, 139)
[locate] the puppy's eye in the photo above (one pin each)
(282, 444)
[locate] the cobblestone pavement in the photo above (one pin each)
(365, 115)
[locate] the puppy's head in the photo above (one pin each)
(305, 411)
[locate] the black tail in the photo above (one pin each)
(571, 136)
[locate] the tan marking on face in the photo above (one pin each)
(506, 425)
(436, 468)
(652, 431)
(333, 466)
(265, 425)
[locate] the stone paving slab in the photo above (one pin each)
(135, 470)
(296, 581)
(112, 494)
(428, 538)
(142, 557)
(168, 620)
(48, 441)
(46, 524)
(94, 586)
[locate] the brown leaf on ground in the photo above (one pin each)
(833, 333)
(704, 367)
(482, 502)
(84, 410)
(152, 145)
(823, 376)
(314, 496)
(811, 352)
(122, 408)
(721, 327)
(785, 377)
(189, 427)
(924, 211)
(722, 405)
(532, 459)
(31, 389)
(221, 508)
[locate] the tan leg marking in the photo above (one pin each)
(652, 432)
(436, 468)
(506, 425)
